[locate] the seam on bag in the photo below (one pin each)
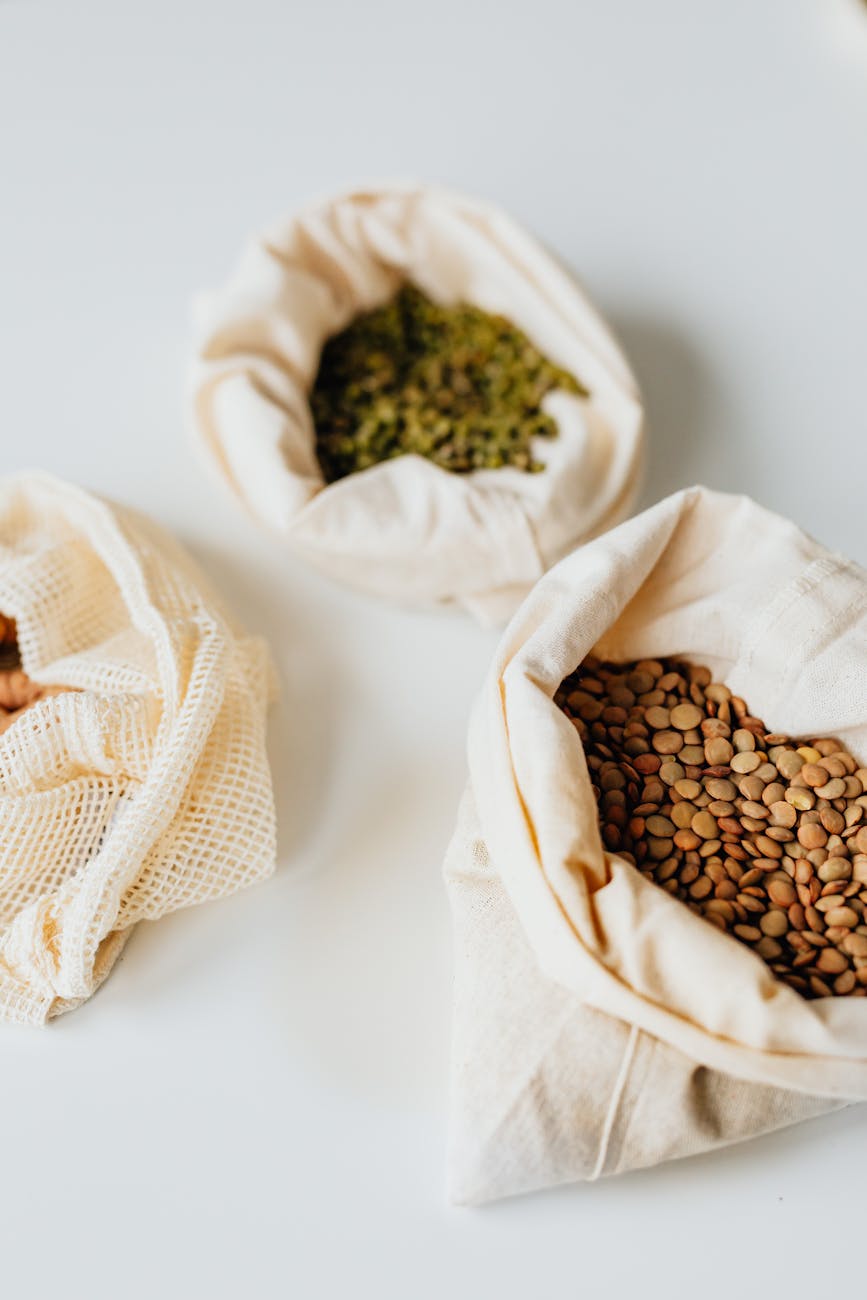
(811, 576)
(614, 1104)
(819, 571)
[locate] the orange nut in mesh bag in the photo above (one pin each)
(144, 785)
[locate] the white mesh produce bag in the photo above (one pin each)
(406, 528)
(599, 1024)
(145, 786)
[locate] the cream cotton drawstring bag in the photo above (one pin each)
(600, 1025)
(405, 528)
(144, 786)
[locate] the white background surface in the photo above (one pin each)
(255, 1103)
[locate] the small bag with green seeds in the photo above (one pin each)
(406, 387)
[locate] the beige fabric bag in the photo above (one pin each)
(145, 787)
(407, 529)
(600, 1025)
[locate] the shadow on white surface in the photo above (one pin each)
(679, 391)
(303, 722)
(847, 25)
(363, 987)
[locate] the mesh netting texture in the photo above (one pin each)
(144, 786)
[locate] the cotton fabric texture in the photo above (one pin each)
(142, 788)
(600, 1025)
(407, 529)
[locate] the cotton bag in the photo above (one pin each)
(406, 528)
(144, 786)
(599, 1024)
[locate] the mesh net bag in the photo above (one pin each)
(407, 529)
(140, 786)
(600, 1025)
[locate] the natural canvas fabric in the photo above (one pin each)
(406, 528)
(600, 1025)
(143, 787)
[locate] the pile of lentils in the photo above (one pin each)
(453, 384)
(762, 835)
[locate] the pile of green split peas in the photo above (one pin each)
(456, 385)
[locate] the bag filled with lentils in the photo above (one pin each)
(659, 876)
(133, 773)
(404, 387)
